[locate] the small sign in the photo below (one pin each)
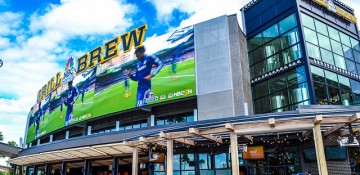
(242, 148)
(254, 152)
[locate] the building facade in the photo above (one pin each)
(301, 52)
(295, 54)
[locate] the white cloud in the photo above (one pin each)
(199, 10)
(32, 57)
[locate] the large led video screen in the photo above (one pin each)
(163, 69)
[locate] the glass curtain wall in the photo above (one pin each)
(330, 45)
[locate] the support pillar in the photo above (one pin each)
(320, 153)
(63, 168)
(14, 167)
(135, 161)
(115, 166)
(169, 157)
(27, 170)
(87, 167)
(47, 169)
(36, 168)
(234, 154)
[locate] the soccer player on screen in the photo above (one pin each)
(37, 120)
(144, 74)
(69, 102)
(126, 86)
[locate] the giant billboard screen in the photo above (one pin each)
(165, 71)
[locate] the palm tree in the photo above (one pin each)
(1, 137)
(12, 143)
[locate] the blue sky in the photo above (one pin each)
(37, 36)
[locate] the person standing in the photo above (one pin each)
(69, 101)
(144, 74)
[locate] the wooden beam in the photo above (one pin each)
(234, 153)
(169, 157)
(355, 117)
(346, 132)
(249, 138)
(135, 144)
(318, 119)
(306, 133)
(281, 128)
(181, 140)
(229, 126)
(319, 148)
(135, 161)
(334, 128)
(271, 122)
(196, 132)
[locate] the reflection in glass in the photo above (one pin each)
(272, 63)
(350, 65)
(220, 160)
(348, 52)
(279, 100)
(321, 28)
(299, 94)
(255, 42)
(327, 56)
(331, 79)
(256, 55)
(287, 23)
(276, 84)
(324, 42)
(357, 56)
(310, 36)
(291, 54)
(334, 95)
(272, 47)
(262, 105)
(345, 39)
(307, 21)
(313, 51)
(333, 33)
(270, 33)
(336, 47)
(318, 74)
(289, 38)
(204, 161)
(260, 90)
(320, 94)
(339, 61)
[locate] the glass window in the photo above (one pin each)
(297, 77)
(258, 69)
(279, 100)
(307, 21)
(260, 90)
(334, 95)
(291, 54)
(317, 74)
(358, 67)
(346, 98)
(185, 162)
(176, 162)
(324, 42)
(355, 99)
(271, 33)
(313, 51)
(289, 38)
(255, 42)
(287, 23)
(299, 93)
(344, 83)
(220, 161)
(327, 56)
(204, 161)
(160, 122)
(320, 94)
(262, 105)
(348, 52)
(336, 47)
(355, 86)
(272, 47)
(331, 79)
(339, 61)
(310, 36)
(276, 84)
(321, 28)
(272, 63)
(256, 55)
(350, 65)
(136, 126)
(333, 33)
(356, 56)
(144, 125)
(345, 39)
(355, 44)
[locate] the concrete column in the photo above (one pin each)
(234, 153)
(36, 168)
(117, 126)
(169, 157)
(67, 134)
(152, 120)
(135, 161)
(89, 130)
(38, 142)
(47, 169)
(87, 167)
(195, 115)
(51, 138)
(320, 153)
(115, 166)
(14, 167)
(63, 168)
